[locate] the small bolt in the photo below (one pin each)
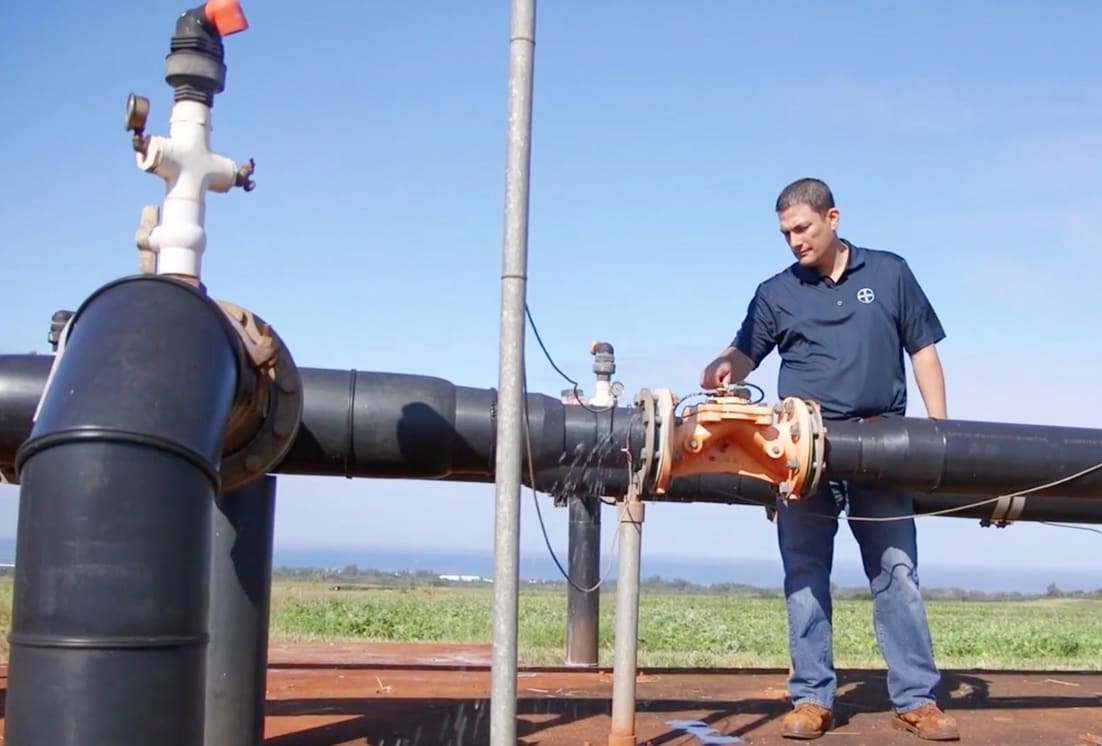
(694, 444)
(794, 431)
(793, 464)
(286, 385)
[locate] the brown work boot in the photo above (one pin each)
(806, 721)
(928, 722)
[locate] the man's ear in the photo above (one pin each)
(833, 217)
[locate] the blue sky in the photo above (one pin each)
(967, 137)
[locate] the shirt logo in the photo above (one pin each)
(865, 295)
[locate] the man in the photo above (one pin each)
(841, 318)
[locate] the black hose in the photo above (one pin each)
(109, 614)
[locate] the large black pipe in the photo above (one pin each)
(583, 596)
(243, 521)
(22, 378)
(731, 490)
(365, 424)
(963, 457)
(109, 614)
(359, 424)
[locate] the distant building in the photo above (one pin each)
(465, 578)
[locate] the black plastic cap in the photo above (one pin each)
(604, 360)
(194, 66)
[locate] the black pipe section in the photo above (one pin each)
(22, 378)
(363, 424)
(243, 522)
(109, 613)
(584, 570)
(732, 490)
(359, 424)
(1026, 509)
(964, 457)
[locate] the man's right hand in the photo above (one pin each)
(717, 375)
(730, 367)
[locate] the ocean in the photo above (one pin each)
(762, 573)
(757, 572)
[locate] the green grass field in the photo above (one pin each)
(687, 629)
(684, 628)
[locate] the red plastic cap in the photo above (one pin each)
(226, 15)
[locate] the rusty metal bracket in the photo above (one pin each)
(277, 398)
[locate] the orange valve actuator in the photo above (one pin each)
(226, 16)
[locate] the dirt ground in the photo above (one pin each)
(402, 695)
(369, 694)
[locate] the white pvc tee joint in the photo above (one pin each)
(185, 161)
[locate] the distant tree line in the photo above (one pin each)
(353, 577)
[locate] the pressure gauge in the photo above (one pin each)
(137, 112)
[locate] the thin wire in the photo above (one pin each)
(959, 508)
(1069, 525)
(568, 379)
(682, 399)
(539, 512)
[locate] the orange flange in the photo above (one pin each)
(782, 444)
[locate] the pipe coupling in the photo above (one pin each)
(264, 426)
(782, 445)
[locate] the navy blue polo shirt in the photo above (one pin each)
(841, 343)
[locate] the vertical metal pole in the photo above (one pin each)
(627, 624)
(242, 525)
(510, 412)
(583, 604)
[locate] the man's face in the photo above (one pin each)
(810, 234)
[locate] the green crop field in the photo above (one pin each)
(696, 629)
(679, 627)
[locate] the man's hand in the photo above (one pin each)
(717, 375)
(730, 367)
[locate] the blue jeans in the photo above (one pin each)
(889, 553)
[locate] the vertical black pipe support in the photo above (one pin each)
(242, 526)
(582, 592)
(109, 613)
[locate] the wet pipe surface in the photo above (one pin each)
(385, 694)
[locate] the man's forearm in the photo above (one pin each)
(931, 381)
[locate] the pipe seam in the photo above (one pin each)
(117, 435)
(28, 640)
(350, 424)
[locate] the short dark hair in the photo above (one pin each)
(811, 192)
